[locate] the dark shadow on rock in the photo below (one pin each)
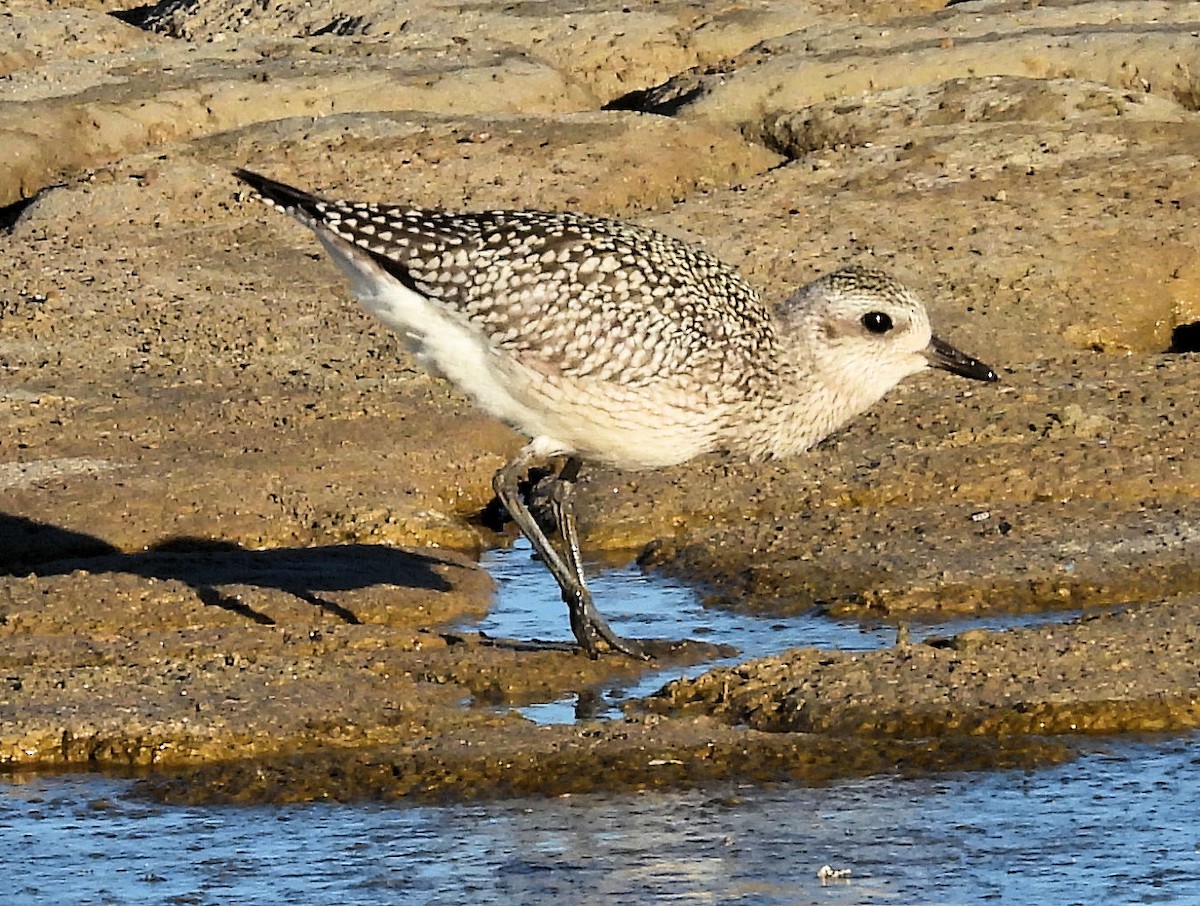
(496, 518)
(1185, 338)
(28, 546)
(11, 213)
(137, 16)
(25, 542)
(657, 100)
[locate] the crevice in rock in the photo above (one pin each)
(11, 213)
(1185, 338)
(655, 99)
(137, 16)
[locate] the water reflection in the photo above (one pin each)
(1118, 825)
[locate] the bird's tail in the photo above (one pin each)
(302, 205)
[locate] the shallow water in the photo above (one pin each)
(1116, 826)
(1119, 825)
(528, 606)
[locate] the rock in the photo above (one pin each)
(228, 493)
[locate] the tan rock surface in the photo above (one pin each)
(1130, 671)
(221, 483)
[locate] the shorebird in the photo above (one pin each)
(612, 343)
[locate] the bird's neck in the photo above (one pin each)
(803, 403)
(798, 416)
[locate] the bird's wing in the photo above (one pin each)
(584, 296)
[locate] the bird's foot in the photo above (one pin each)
(628, 647)
(593, 632)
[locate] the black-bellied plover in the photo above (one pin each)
(612, 343)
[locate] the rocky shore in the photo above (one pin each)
(238, 525)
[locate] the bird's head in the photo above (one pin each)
(865, 332)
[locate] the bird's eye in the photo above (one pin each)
(877, 322)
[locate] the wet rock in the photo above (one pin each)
(565, 760)
(1134, 670)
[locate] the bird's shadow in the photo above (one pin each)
(28, 546)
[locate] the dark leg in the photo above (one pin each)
(562, 504)
(562, 492)
(586, 623)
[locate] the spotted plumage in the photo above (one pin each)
(610, 342)
(568, 284)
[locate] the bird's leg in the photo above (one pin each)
(584, 615)
(586, 623)
(562, 508)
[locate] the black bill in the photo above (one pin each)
(942, 355)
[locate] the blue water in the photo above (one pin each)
(528, 606)
(1121, 825)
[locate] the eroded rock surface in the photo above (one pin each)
(1135, 670)
(230, 503)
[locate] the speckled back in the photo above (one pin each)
(586, 296)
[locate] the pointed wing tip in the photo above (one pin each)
(278, 193)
